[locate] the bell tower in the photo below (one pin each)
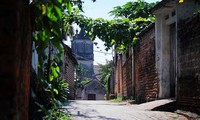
(82, 47)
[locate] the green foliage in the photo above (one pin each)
(105, 73)
(133, 10)
(53, 114)
(80, 83)
(84, 82)
(107, 82)
(80, 79)
(49, 29)
(121, 31)
(118, 99)
(81, 71)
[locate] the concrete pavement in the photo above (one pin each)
(105, 110)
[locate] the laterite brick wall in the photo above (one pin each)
(146, 77)
(127, 78)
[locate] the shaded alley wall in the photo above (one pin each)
(127, 78)
(15, 59)
(68, 72)
(189, 62)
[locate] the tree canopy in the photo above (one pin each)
(133, 10)
(123, 30)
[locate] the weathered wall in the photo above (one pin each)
(98, 96)
(189, 62)
(112, 82)
(15, 59)
(68, 72)
(119, 76)
(116, 75)
(162, 48)
(93, 87)
(146, 76)
(127, 78)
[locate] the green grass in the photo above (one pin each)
(118, 99)
(56, 115)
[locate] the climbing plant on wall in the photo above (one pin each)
(49, 29)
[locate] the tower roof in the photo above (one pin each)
(81, 36)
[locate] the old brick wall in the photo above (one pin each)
(146, 77)
(69, 70)
(188, 84)
(127, 78)
(69, 77)
(115, 69)
(15, 59)
(118, 76)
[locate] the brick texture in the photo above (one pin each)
(188, 85)
(68, 70)
(127, 78)
(15, 58)
(118, 76)
(146, 77)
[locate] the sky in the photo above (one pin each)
(100, 9)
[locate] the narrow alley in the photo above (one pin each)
(100, 60)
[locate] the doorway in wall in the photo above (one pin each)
(172, 60)
(91, 96)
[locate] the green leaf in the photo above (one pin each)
(51, 78)
(59, 11)
(36, 36)
(57, 69)
(56, 91)
(50, 14)
(54, 72)
(43, 35)
(58, 103)
(43, 9)
(60, 1)
(69, 7)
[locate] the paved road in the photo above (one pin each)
(105, 110)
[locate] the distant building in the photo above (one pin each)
(93, 90)
(82, 47)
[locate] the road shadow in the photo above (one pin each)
(169, 107)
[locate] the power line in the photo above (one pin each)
(102, 52)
